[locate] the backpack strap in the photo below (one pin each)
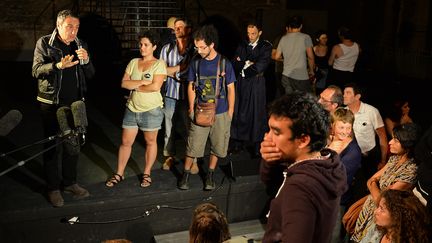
(222, 74)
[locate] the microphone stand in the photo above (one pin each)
(45, 140)
(22, 162)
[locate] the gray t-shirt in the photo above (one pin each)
(293, 48)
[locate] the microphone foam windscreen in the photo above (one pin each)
(64, 114)
(79, 114)
(9, 122)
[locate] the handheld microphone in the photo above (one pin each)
(79, 116)
(78, 42)
(9, 122)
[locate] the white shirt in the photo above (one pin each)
(366, 121)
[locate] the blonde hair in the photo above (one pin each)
(342, 114)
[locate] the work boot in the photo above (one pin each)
(55, 198)
(77, 191)
(168, 163)
(184, 183)
(209, 183)
(194, 168)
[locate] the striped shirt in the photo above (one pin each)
(173, 88)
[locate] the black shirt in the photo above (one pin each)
(69, 86)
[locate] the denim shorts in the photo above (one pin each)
(146, 121)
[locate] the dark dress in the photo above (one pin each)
(249, 120)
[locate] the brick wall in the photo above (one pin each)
(20, 26)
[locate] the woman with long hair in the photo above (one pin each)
(400, 218)
(399, 173)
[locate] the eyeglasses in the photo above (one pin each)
(200, 48)
(324, 100)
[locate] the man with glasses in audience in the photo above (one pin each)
(331, 98)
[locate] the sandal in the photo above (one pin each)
(114, 180)
(146, 180)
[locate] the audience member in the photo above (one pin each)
(144, 78)
(399, 173)
(117, 241)
(331, 98)
(368, 124)
(177, 56)
(209, 225)
(398, 114)
(298, 58)
(343, 142)
(321, 56)
(202, 89)
(306, 205)
(250, 61)
(399, 217)
(61, 82)
(343, 58)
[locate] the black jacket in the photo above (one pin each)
(46, 55)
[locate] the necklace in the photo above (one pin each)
(317, 157)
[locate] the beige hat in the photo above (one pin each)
(170, 22)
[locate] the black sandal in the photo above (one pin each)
(146, 181)
(114, 180)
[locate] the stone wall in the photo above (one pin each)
(394, 33)
(20, 26)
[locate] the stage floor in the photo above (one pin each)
(125, 211)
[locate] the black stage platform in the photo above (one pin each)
(125, 211)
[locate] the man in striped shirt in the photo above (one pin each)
(177, 56)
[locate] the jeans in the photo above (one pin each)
(176, 121)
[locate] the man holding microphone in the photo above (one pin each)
(61, 64)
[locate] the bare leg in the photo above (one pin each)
(188, 163)
(151, 150)
(128, 138)
(213, 161)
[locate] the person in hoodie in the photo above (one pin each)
(306, 206)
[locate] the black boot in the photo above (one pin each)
(209, 183)
(184, 182)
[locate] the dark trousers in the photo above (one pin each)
(59, 166)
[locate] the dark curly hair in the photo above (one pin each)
(410, 220)
(208, 34)
(151, 35)
(408, 136)
(209, 225)
(307, 115)
(395, 111)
